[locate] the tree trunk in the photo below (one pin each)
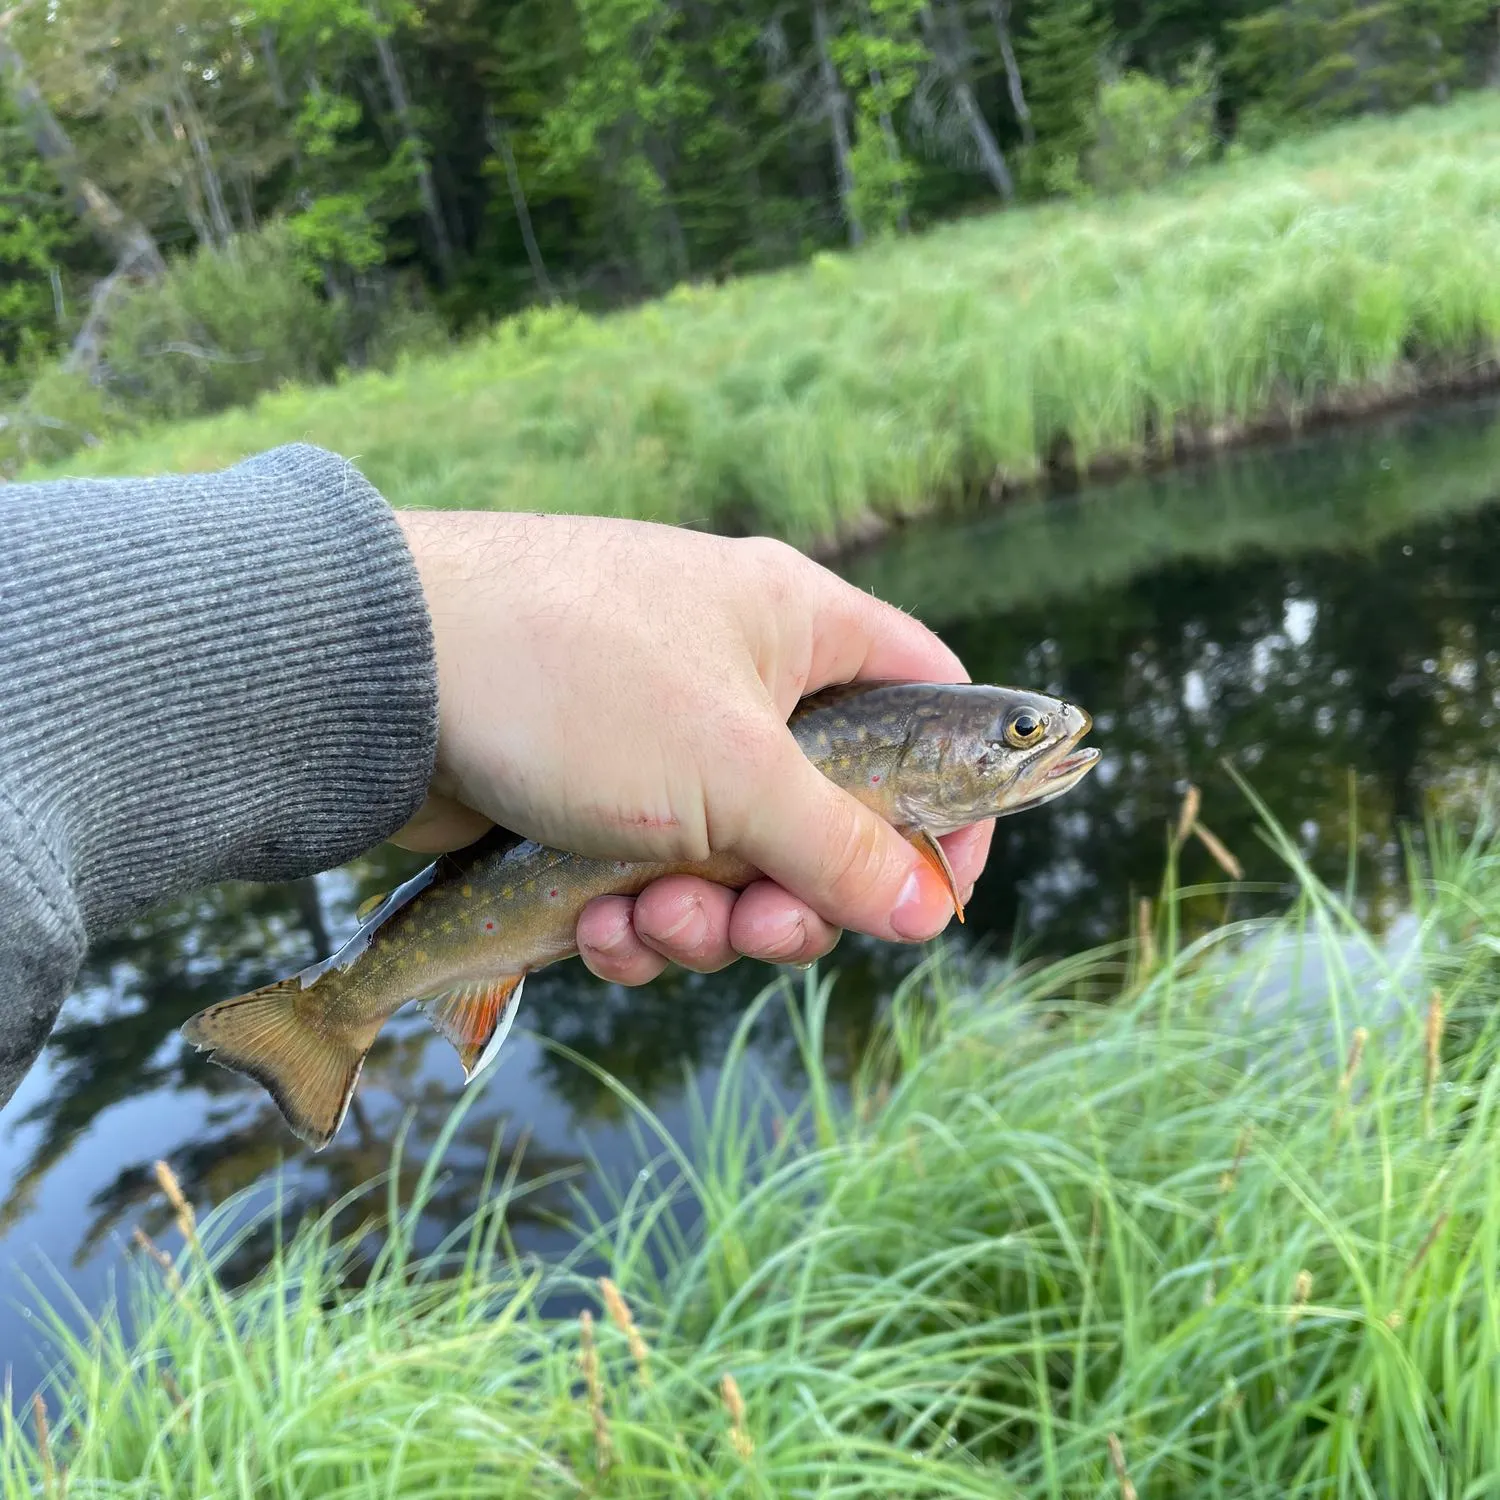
(395, 84)
(124, 236)
(273, 66)
(186, 182)
(670, 219)
(243, 190)
(1000, 15)
(213, 189)
(836, 105)
(499, 138)
(945, 55)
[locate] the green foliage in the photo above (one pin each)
(1225, 1214)
(336, 230)
(35, 236)
(62, 411)
(880, 62)
(1062, 55)
(1304, 62)
(221, 328)
(513, 151)
(805, 403)
(349, 192)
(628, 96)
(1145, 131)
(882, 179)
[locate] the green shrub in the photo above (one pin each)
(62, 412)
(220, 328)
(1146, 130)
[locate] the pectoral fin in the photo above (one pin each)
(476, 1019)
(932, 851)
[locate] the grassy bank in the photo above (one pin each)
(1339, 271)
(1214, 1234)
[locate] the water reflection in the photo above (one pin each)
(1327, 618)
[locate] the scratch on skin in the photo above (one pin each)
(648, 820)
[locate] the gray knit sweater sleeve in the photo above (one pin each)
(201, 678)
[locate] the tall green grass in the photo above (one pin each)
(1235, 1233)
(1356, 263)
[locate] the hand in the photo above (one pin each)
(621, 689)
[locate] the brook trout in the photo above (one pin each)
(461, 936)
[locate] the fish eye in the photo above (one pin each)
(1025, 728)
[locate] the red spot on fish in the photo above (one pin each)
(553, 892)
(875, 779)
(489, 926)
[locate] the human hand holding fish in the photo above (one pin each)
(621, 690)
(693, 747)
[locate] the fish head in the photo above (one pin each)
(975, 752)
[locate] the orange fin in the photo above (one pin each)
(476, 1019)
(263, 1035)
(932, 851)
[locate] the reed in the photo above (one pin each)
(1234, 1232)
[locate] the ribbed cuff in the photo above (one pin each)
(213, 676)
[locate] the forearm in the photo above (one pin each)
(204, 677)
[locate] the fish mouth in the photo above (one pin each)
(1066, 767)
(1075, 761)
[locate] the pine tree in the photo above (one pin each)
(1311, 61)
(1061, 54)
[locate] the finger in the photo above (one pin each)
(771, 925)
(967, 851)
(440, 824)
(687, 921)
(609, 946)
(832, 852)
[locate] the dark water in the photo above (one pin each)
(1326, 617)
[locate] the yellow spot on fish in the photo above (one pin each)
(420, 955)
(508, 892)
(447, 926)
(468, 890)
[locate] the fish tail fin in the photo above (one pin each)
(264, 1035)
(476, 1019)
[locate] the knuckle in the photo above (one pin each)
(779, 569)
(773, 554)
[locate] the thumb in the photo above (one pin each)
(845, 861)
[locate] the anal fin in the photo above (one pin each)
(932, 851)
(476, 1019)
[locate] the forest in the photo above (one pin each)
(199, 201)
